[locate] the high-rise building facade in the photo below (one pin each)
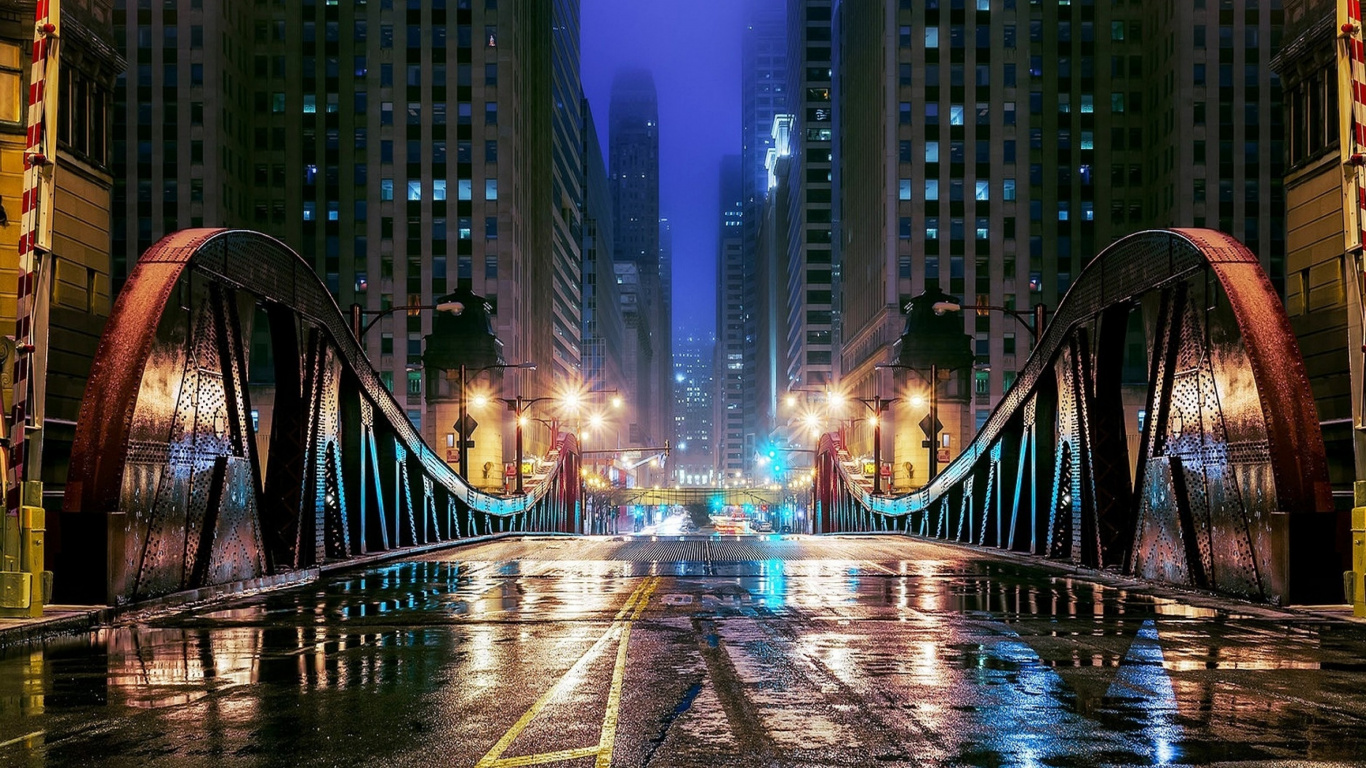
(72, 293)
(568, 190)
(1323, 232)
(633, 148)
(733, 457)
(603, 332)
(811, 272)
(403, 150)
(763, 94)
(992, 148)
(693, 460)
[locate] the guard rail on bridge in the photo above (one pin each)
(1229, 490)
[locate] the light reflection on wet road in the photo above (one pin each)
(838, 652)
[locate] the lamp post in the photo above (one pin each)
(933, 431)
(1033, 322)
(360, 328)
(878, 406)
(460, 423)
(519, 406)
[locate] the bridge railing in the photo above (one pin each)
(1228, 490)
(169, 489)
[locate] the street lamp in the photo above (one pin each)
(357, 314)
(460, 423)
(519, 407)
(933, 431)
(1033, 322)
(878, 406)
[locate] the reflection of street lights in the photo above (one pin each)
(460, 423)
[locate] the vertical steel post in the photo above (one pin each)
(934, 422)
(877, 446)
(518, 417)
(460, 436)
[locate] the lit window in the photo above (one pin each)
(955, 114)
(415, 190)
(310, 104)
(904, 190)
(491, 189)
(931, 37)
(983, 190)
(931, 151)
(932, 189)
(386, 189)
(439, 189)
(1008, 189)
(465, 189)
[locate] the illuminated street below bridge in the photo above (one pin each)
(772, 651)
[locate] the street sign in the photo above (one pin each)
(886, 469)
(925, 426)
(943, 456)
(467, 425)
(869, 468)
(452, 454)
(509, 470)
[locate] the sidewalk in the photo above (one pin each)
(56, 620)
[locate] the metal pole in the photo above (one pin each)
(934, 421)
(356, 322)
(877, 446)
(460, 430)
(1040, 318)
(518, 417)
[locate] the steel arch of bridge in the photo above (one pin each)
(167, 491)
(1230, 490)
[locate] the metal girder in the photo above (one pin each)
(167, 491)
(1229, 490)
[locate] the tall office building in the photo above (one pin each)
(811, 271)
(693, 460)
(603, 332)
(72, 292)
(994, 149)
(633, 143)
(763, 94)
(1323, 296)
(403, 151)
(733, 457)
(567, 191)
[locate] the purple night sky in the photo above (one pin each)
(693, 48)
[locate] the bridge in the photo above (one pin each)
(666, 496)
(169, 492)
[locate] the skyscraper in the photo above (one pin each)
(694, 462)
(733, 457)
(402, 151)
(634, 156)
(811, 299)
(763, 94)
(1025, 138)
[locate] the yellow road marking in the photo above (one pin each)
(21, 738)
(609, 719)
(549, 757)
(621, 625)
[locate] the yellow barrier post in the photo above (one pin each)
(1358, 590)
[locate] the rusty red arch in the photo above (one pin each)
(245, 263)
(1147, 263)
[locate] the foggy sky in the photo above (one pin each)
(693, 49)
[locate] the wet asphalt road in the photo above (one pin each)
(698, 652)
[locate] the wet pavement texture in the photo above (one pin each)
(774, 651)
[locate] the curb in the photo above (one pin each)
(80, 619)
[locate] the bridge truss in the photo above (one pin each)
(1229, 490)
(168, 489)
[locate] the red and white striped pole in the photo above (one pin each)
(35, 236)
